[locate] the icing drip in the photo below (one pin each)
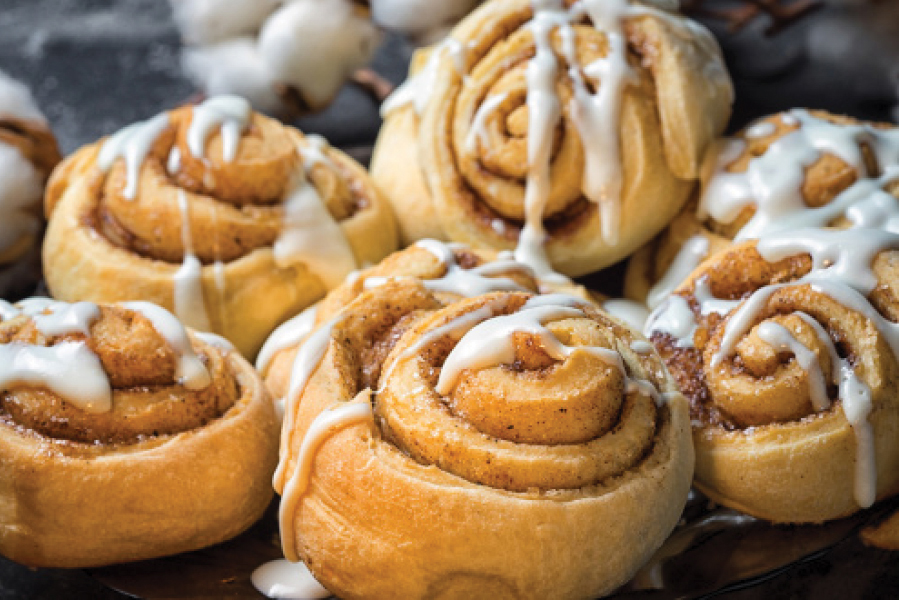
(475, 281)
(173, 163)
(772, 182)
(544, 113)
(417, 89)
(454, 329)
(688, 258)
(69, 369)
(491, 343)
(284, 579)
(132, 143)
(190, 305)
(54, 318)
(779, 337)
(230, 113)
(305, 364)
(290, 333)
(675, 318)
(478, 131)
(310, 234)
(321, 430)
(632, 313)
(190, 370)
(215, 340)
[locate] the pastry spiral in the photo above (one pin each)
(495, 446)
(28, 153)
(123, 436)
(787, 350)
(790, 170)
(229, 219)
(553, 124)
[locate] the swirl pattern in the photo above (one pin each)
(222, 215)
(420, 424)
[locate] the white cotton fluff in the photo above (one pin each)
(211, 21)
(16, 100)
(20, 196)
(419, 17)
(314, 45)
(233, 67)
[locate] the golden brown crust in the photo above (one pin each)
(444, 186)
(463, 511)
(104, 246)
(102, 492)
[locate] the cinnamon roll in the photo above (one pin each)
(229, 219)
(507, 444)
(28, 153)
(551, 127)
(787, 350)
(124, 436)
(791, 170)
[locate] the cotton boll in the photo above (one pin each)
(210, 21)
(16, 100)
(233, 67)
(21, 189)
(314, 45)
(419, 17)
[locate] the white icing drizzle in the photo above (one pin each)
(675, 318)
(632, 313)
(190, 370)
(688, 258)
(132, 143)
(641, 347)
(321, 430)
(772, 182)
(476, 281)
(478, 131)
(490, 343)
(215, 340)
(309, 233)
(189, 301)
(779, 337)
(290, 333)
(286, 580)
(69, 369)
(708, 304)
(173, 163)
(595, 116)
(417, 89)
(230, 113)
(53, 318)
(8, 311)
(760, 129)
(455, 329)
(304, 366)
